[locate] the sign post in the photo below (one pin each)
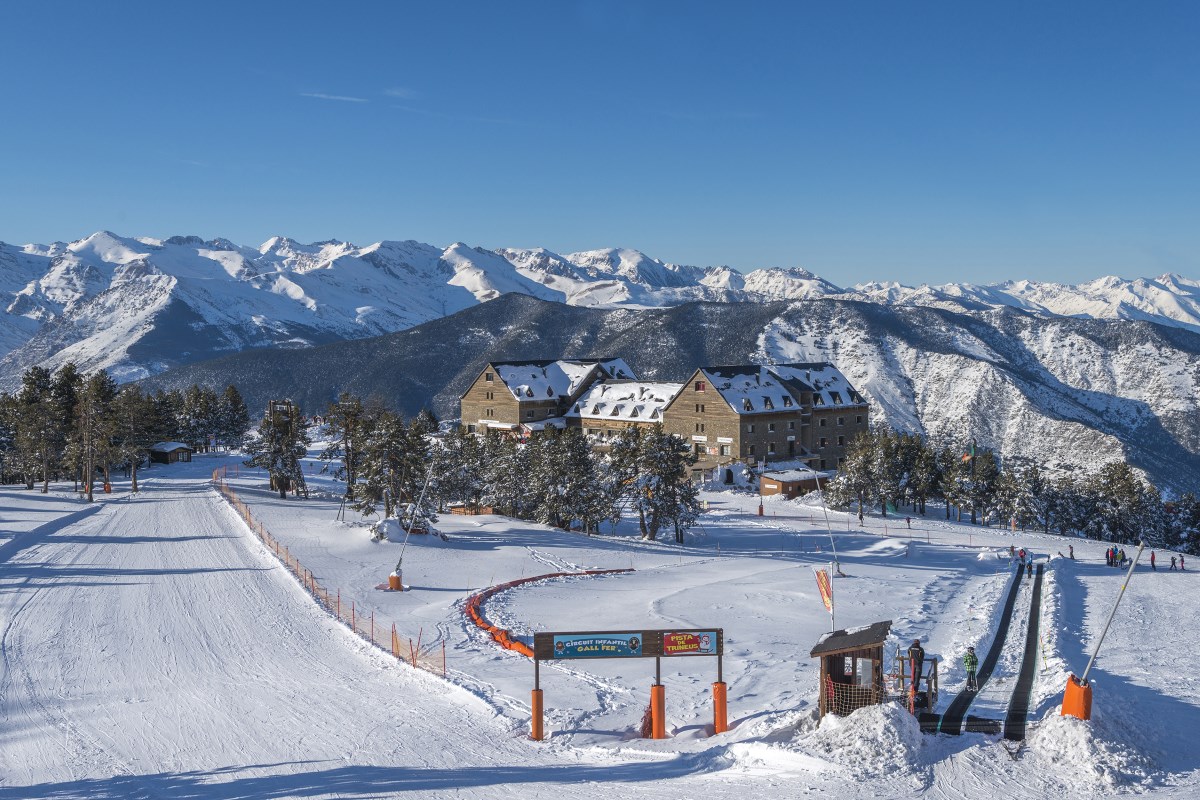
(656, 644)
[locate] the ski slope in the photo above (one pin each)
(152, 647)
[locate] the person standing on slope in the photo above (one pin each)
(1152, 561)
(916, 662)
(1172, 562)
(971, 663)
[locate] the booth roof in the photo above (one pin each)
(853, 639)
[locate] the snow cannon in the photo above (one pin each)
(1077, 699)
(394, 582)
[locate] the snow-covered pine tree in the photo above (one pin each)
(346, 427)
(282, 441)
(653, 466)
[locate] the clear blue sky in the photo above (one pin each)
(909, 141)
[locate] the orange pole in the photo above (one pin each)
(658, 711)
(395, 647)
(720, 716)
(535, 724)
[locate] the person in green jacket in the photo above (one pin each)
(971, 663)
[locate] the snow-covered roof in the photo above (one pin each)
(853, 639)
(166, 447)
(792, 475)
(829, 386)
(547, 380)
(627, 401)
(770, 388)
(553, 422)
(754, 389)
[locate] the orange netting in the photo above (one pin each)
(429, 656)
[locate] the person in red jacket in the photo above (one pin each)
(1152, 561)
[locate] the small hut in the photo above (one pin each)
(852, 668)
(791, 483)
(170, 452)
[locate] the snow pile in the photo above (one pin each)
(1088, 754)
(872, 741)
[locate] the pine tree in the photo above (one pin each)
(37, 437)
(282, 441)
(347, 428)
(652, 466)
(133, 415)
(91, 439)
(233, 418)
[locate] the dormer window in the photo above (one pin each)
(818, 400)
(837, 398)
(633, 413)
(747, 405)
(596, 409)
(528, 392)
(767, 404)
(787, 401)
(616, 410)
(549, 391)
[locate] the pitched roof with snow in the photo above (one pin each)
(829, 386)
(754, 389)
(627, 401)
(167, 447)
(549, 380)
(852, 639)
(798, 474)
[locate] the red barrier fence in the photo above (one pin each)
(430, 657)
(502, 636)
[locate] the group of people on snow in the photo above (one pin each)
(1174, 561)
(916, 664)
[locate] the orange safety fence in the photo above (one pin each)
(473, 608)
(429, 656)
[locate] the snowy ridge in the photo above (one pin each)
(139, 305)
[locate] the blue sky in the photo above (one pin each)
(910, 141)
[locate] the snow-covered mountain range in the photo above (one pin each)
(138, 306)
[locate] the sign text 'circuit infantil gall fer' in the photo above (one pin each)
(628, 644)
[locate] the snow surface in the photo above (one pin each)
(153, 648)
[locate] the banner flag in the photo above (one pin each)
(826, 589)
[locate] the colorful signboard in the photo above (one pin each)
(689, 643)
(599, 645)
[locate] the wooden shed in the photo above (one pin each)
(170, 452)
(852, 668)
(791, 483)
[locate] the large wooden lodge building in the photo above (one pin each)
(751, 413)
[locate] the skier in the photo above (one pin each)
(908, 522)
(860, 518)
(1108, 557)
(1152, 561)
(1029, 567)
(1071, 550)
(1121, 557)
(1022, 554)
(916, 660)
(1172, 562)
(971, 663)
(1012, 552)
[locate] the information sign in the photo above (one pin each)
(599, 645)
(689, 643)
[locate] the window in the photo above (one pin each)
(750, 450)
(771, 447)
(858, 419)
(791, 425)
(699, 408)
(824, 442)
(767, 404)
(837, 398)
(787, 401)
(823, 464)
(841, 441)
(818, 400)
(724, 449)
(699, 427)
(700, 386)
(491, 395)
(841, 420)
(487, 376)
(489, 413)
(747, 405)
(822, 422)
(770, 427)
(470, 429)
(750, 428)
(529, 414)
